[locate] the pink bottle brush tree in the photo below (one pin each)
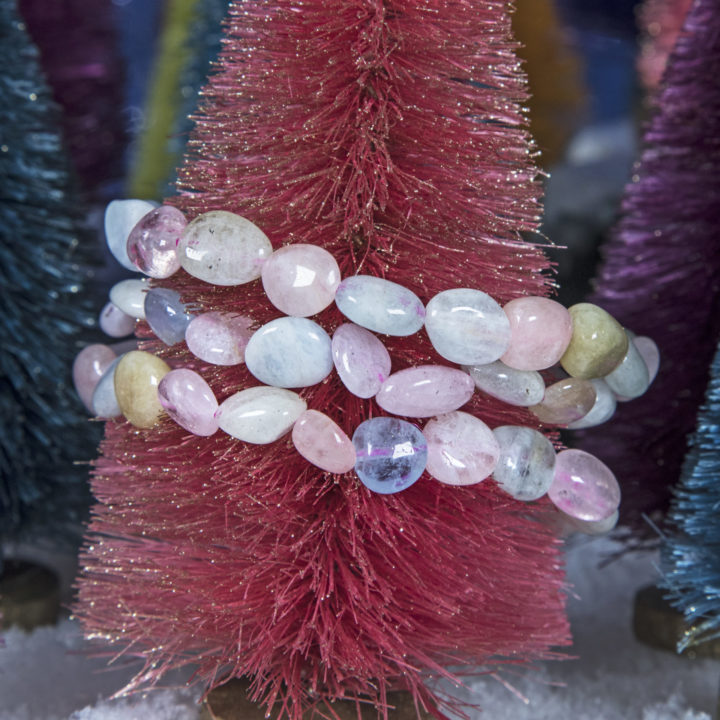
(390, 134)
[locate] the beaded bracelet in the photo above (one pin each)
(500, 351)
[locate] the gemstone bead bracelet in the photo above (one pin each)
(500, 351)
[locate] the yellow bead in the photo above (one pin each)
(137, 377)
(598, 344)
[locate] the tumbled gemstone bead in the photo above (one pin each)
(467, 326)
(526, 464)
(104, 400)
(391, 454)
(222, 248)
(584, 487)
(89, 366)
(598, 343)
(289, 352)
(166, 315)
(601, 411)
(189, 401)
(380, 305)
(515, 387)
(219, 338)
(361, 360)
(260, 415)
(565, 401)
(630, 379)
(425, 391)
(650, 354)
(152, 243)
(301, 280)
(322, 442)
(137, 377)
(540, 331)
(129, 296)
(114, 322)
(596, 527)
(121, 216)
(462, 449)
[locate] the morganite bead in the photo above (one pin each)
(425, 391)
(601, 411)
(467, 326)
(129, 297)
(380, 305)
(289, 352)
(526, 464)
(540, 332)
(584, 487)
(301, 280)
(361, 360)
(260, 415)
(598, 344)
(462, 449)
(322, 442)
(565, 401)
(104, 400)
(121, 216)
(222, 248)
(515, 387)
(189, 401)
(152, 243)
(114, 322)
(630, 379)
(391, 454)
(166, 316)
(219, 338)
(650, 353)
(89, 366)
(137, 377)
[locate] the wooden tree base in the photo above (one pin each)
(29, 595)
(230, 702)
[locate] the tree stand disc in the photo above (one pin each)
(29, 595)
(230, 702)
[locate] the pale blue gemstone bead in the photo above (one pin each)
(526, 466)
(391, 454)
(630, 379)
(166, 315)
(467, 326)
(601, 411)
(515, 387)
(104, 400)
(380, 305)
(289, 352)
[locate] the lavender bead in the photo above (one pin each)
(380, 305)
(425, 391)
(391, 454)
(322, 442)
(152, 243)
(361, 360)
(515, 387)
(650, 353)
(166, 315)
(189, 401)
(115, 323)
(219, 338)
(121, 216)
(467, 326)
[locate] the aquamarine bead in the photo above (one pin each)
(380, 305)
(289, 352)
(391, 454)
(166, 315)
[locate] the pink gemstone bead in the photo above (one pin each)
(425, 391)
(189, 401)
(219, 338)
(361, 360)
(301, 280)
(462, 450)
(152, 243)
(115, 323)
(320, 441)
(89, 366)
(583, 486)
(540, 331)
(650, 354)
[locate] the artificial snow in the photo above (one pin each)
(49, 675)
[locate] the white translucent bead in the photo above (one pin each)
(129, 296)
(121, 216)
(602, 410)
(515, 387)
(104, 400)
(630, 379)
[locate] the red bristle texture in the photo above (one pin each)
(390, 133)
